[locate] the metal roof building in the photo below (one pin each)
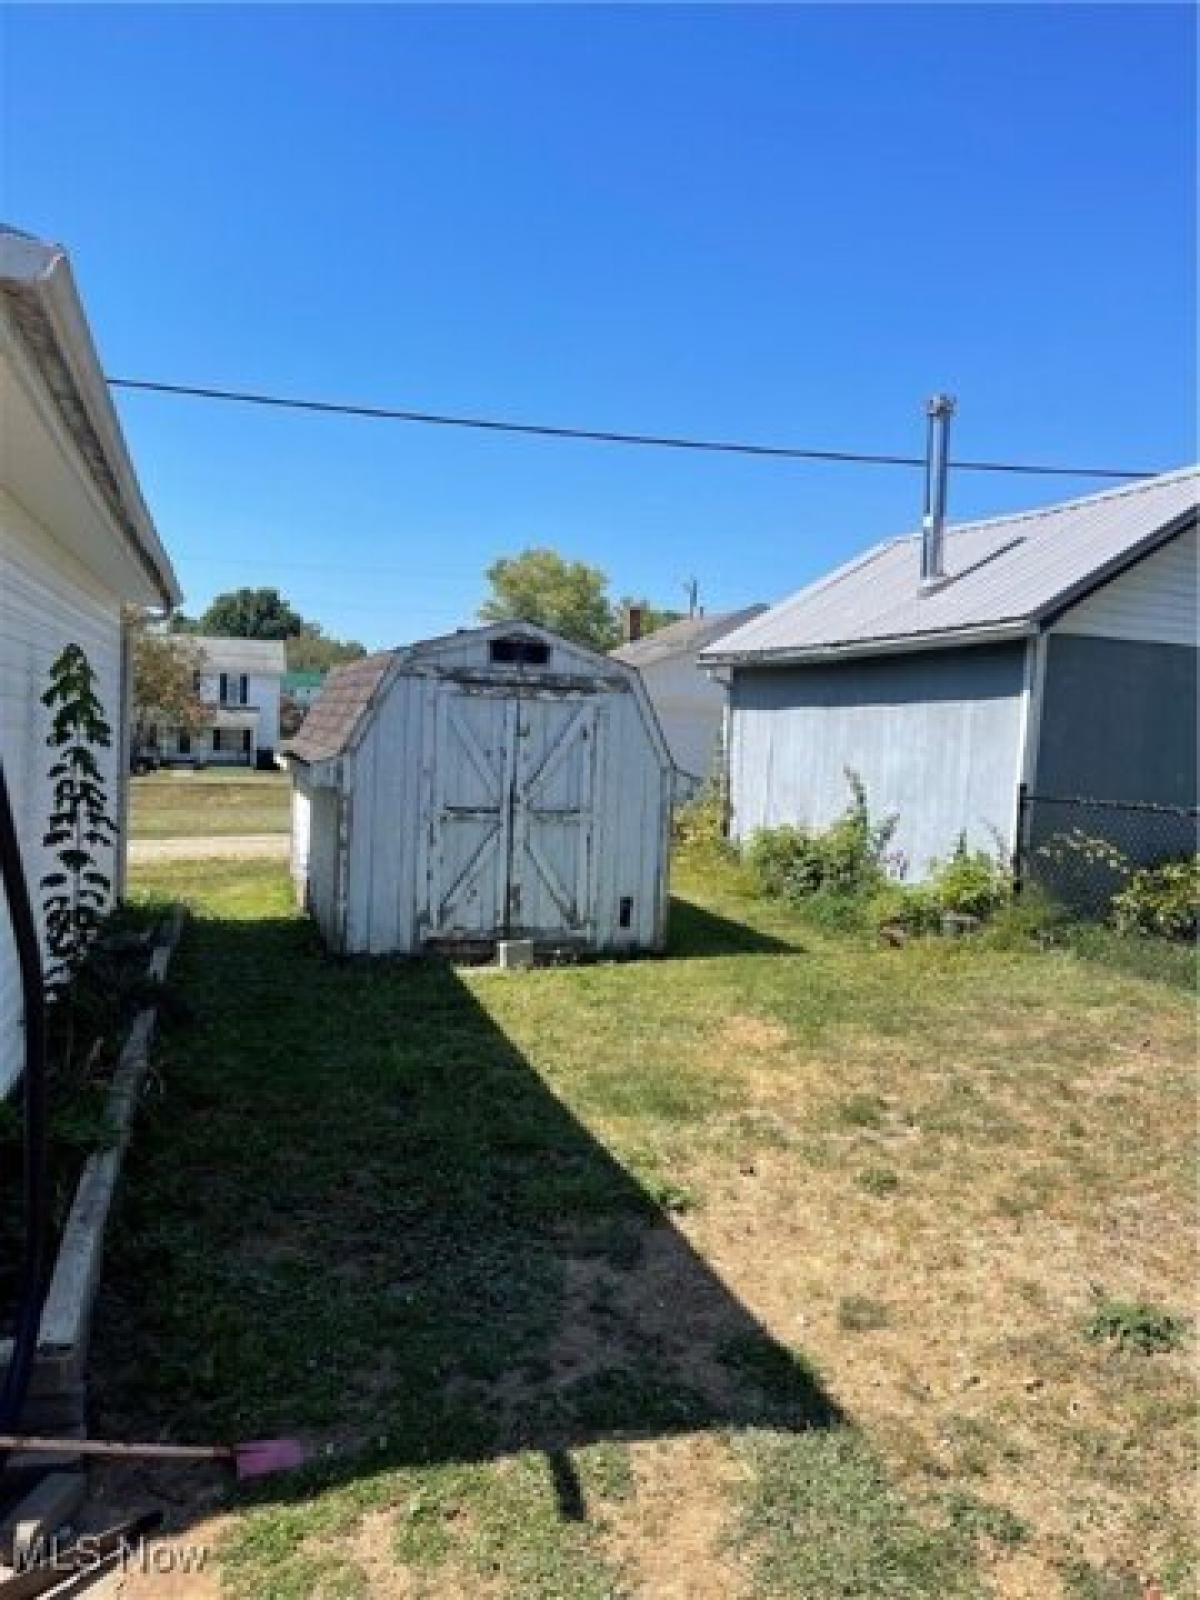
(1003, 577)
(1056, 650)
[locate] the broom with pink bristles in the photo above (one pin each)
(258, 1458)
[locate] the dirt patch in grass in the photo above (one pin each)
(749, 1035)
(677, 1546)
(979, 1375)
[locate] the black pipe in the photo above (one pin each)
(25, 936)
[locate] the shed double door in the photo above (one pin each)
(512, 814)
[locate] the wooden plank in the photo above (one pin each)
(67, 1310)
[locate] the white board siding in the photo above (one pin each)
(301, 834)
(47, 600)
(1154, 601)
(324, 887)
(936, 741)
(388, 796)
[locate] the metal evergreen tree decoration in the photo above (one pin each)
(76, 893)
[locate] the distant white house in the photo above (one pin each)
(76, 547)
(689, 702)
(240, 684)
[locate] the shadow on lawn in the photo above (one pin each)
(695, 932)
(359, 1215)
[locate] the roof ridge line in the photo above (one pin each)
(1142, 486)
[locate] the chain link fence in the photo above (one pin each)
(1082, 850)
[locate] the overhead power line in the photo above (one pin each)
(546, 430)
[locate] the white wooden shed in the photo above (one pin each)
(500, 782)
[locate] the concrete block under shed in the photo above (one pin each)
(513, 953)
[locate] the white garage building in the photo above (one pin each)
(77, 548)
(496, 783)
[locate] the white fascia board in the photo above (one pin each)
(40, 275)
(64, 311)
(102, 523)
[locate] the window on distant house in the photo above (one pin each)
(216, 742)
(185, 742)
(235, 688)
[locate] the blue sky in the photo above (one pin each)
(783, 224)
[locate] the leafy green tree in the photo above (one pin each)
(568, 597)
(312, 650)
(265, 614)
(252, 614)
(165, 671)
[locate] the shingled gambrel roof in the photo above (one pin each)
(1004, 577)
(330, 726)
(352, 692)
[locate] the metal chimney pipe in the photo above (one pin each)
(939, 409)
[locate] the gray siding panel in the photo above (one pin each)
(935, 736)
(1118, 721)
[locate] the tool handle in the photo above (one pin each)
(110, 1447)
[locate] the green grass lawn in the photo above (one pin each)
(784, 1265)
(181, 804)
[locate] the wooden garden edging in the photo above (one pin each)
(57, 1393)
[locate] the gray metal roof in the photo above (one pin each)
(687, 636)
(1004, 576)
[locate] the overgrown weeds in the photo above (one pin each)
(1135, 1325)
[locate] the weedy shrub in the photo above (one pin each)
(847, 859)
(1135, 1325)
(913, 907)
(699, 824)
(1162, 900)
(972, 882)
(1026, 918)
